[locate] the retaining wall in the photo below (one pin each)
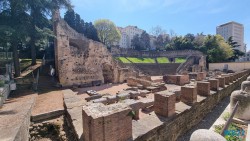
(184, 121)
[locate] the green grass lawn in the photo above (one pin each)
(123, 59)
(141, 60)
(180, 60)
(162, 60)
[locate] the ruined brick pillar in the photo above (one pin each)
(164, 103)
(221, 81)
(203, 88)
(214, 84)
(107, 123)
(189, 94)
(227, 78)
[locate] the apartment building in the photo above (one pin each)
(127, 35)
(234, 29)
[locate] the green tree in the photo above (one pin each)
(145, 40)
(39, 9)
(135, 43)
(13, 24)
(69, 17)
(216, 48)
(236, 53)
(107, 32)
(74, 21)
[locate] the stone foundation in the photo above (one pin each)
(164, 103)
(176, 79)
(107, 123)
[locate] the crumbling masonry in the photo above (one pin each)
(81, 61)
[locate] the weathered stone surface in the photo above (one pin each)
(245, 86)
(112, 99)
(123, 96)
(101, 100)
(203, 88)
(133, 89)
(82, 61)
(110, 123)
(176, 79)
(243, 111)
(132, 81)
(214, 84)
(221, 81)
(164, 104)
(189, 94)
(134, 94)
(227, 78)
(97, 96)
(206, 135)
(143, 93)
(15, 117)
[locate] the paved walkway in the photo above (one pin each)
(15, 115)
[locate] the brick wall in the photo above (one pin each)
(176, 127)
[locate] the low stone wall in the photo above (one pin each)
(155, 69)
(235, 66)
(184, 121)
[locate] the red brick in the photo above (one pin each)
(203, 88)
(221, 81)
(189, 94)
(164, 103)
(214, 84)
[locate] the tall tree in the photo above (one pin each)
(39, 9)
(236, 52)
(69, 17)
(145, 40)
(13, 23)
(107, 32)
(158, 30)
(135, 43)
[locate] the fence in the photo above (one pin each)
(6, 55)
(235, 66)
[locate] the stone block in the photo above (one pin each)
(140, 86)
(214, 84)
(221, 81)
(143, 93)
(177, 94)
(176, 79)
(133, 82)
(203, 88)
(164, 103)
(134, 94)
(153, 89)
(123, 96)
(101, 100)
(133, 89)
(189, 94)
(198, 76)
(227, 78)
(112, 99)
(97, 96)
(243, 111)
(107, 123)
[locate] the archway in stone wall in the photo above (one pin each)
(108, 73)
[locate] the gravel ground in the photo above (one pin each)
(209, 120)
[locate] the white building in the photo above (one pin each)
(234, 29)
(127, 35)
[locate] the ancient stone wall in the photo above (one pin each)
(81, 61)
(184, 121)
(170, 54)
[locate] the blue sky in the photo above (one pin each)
(181, 16)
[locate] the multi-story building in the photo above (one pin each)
(234, 29)
(127, 35)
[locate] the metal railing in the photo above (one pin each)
(230, 119)
(6, 55)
